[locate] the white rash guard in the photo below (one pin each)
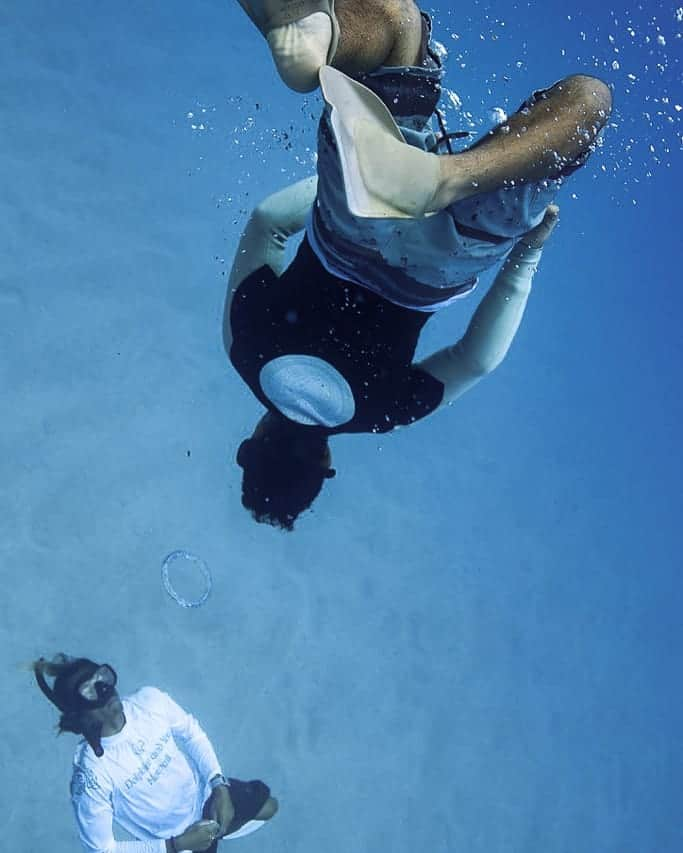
(458, 367)
(152, 779)
(490, 331)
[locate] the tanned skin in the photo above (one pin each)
(530, 146)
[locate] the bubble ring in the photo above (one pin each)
(168, 586)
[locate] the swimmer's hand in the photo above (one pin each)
(199, 836)
(538, 235)
(221, 809)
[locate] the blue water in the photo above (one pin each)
(474, 641)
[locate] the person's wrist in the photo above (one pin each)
(529, 245)
(218, 781)
(174, 844)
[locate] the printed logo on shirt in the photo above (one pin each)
(82, 780)
(146, 765)
(138, 747)
(152, 777)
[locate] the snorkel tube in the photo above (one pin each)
(64, 669)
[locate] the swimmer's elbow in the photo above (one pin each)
(481, 364)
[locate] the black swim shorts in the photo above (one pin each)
(248, 798)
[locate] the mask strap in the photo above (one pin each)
(47, 690)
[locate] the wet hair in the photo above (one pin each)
(283, 472)
(68, 673)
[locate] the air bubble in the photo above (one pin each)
(185, 565)
(440, 50)
(497, 115)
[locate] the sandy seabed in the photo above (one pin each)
(457, 651)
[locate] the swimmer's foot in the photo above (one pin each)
(534, 144)
(302, 36)
(400, 179)
(384, 177)
(456, 181)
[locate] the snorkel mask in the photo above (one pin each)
(96, 691)
(80, 685)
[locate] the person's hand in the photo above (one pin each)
(538, 235)
(220, 808)
(200, 836)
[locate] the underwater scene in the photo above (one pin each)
(340, 368)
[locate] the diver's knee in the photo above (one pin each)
(593, 94)
(269, 809)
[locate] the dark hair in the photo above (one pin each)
(68, 673)
(283, 472)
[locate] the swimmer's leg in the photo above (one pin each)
(304, 35)
(268, 810)
(536, 143)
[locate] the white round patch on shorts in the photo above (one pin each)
(308, 390)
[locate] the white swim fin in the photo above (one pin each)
(384, 177)
(246, 829)
(302, 35)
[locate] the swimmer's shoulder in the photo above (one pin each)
(147, 699)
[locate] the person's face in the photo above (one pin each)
(111, 715)
(106, 707)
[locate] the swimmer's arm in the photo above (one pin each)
(491, 330)
(270, 225)
(495, 322)
(264, 239)
(190, 737)
(92, 804)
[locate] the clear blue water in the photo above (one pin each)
(474, 641)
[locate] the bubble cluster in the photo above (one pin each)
(637, 52)
(244, 126)
(198, 118)
(492, 63)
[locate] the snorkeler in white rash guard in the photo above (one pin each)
(147, 765)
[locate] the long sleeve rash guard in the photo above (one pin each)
(152, 779)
